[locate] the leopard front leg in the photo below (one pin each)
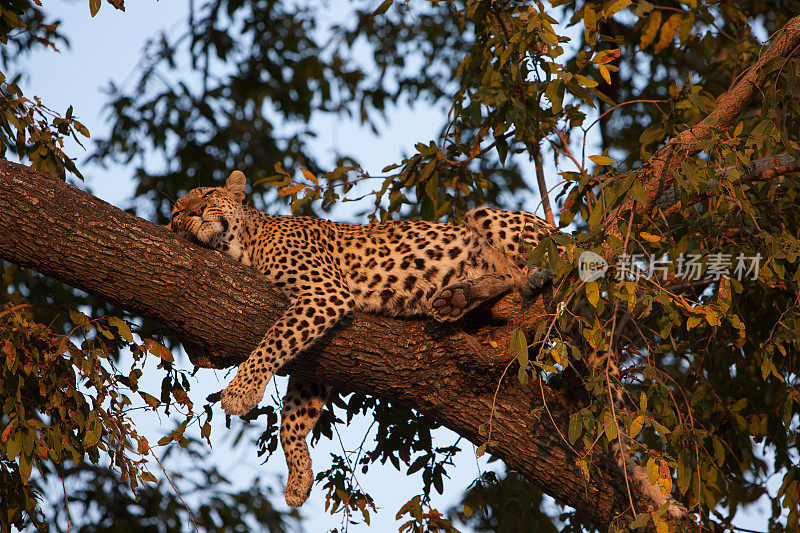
(306, 320)
(302, 407)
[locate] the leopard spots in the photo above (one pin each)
(328, 269)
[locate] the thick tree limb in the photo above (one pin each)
(219, 309)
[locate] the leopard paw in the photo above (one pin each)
(535, 281)
(451, 302)
(298, 486)
(240, 397)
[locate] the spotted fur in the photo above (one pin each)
(328, 269)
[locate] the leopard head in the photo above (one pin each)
(213, 216)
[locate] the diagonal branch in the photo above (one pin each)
(219, 309)
(660, 168)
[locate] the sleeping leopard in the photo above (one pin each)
(328, 269)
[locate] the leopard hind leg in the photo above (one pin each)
(451, 302)
(302, 408)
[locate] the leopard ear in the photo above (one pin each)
(236, 183)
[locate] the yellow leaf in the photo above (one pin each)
(650, 29)
(79, 318)
(121, 326)
(292, 189)
(584, 468)
(589, 18)
(616, 6)
(668, 31)
(664, 477)
(649, 237)
(604, 72)
(593, 293)
(686, 28)
(586, 82)
(309, 176)
(601, 160)
(636, 426)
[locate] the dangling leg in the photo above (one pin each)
(302, 407)
(306, 320)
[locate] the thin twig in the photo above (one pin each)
(66, 505)
(608, 381)
(15, 308)
(533, 148)
(176, 491)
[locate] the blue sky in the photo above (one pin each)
(107, 48)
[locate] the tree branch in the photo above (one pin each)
(219, 310)
(660, 168)
(763, 169)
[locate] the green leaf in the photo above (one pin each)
(519, 347)
(554, 93)
(502, 149)
(418, 464)
(575, 427)
(641, 520)
(79, 318)
(14, 445)
(93, 433)
(684, 473)
(25, 467)
(719, 451)
(610, 426)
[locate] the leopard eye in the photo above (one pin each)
(209, 193)
(176, 213)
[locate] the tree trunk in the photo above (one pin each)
(220, 309)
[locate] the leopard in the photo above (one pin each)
(330, 269)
